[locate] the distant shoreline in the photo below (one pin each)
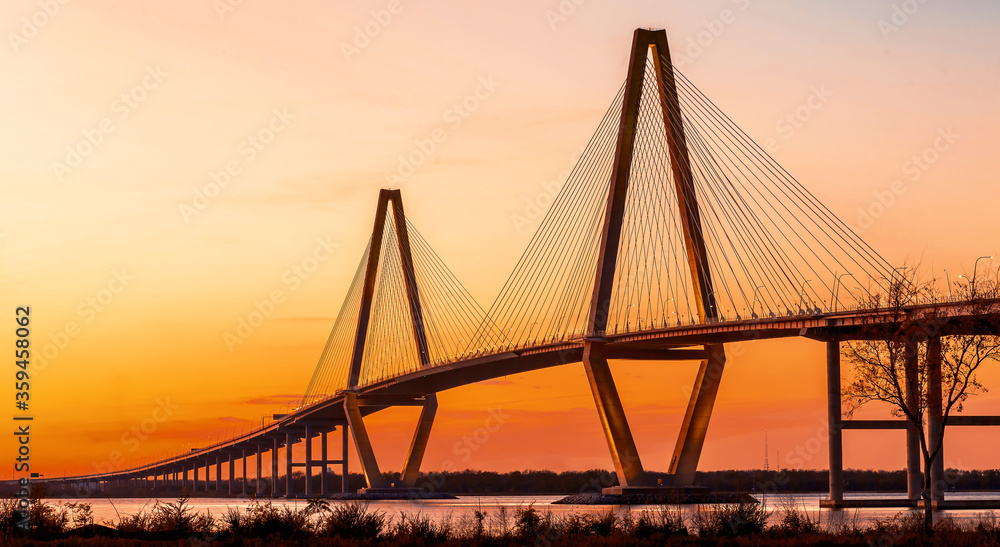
(544, 483)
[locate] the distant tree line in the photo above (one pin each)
(790, 480)
(471, 482)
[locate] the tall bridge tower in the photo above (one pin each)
(650, 47)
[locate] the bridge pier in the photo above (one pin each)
(289, 487)
(624, 454)
(274, 468)
(418, 446)
(362, 442)
(308, 441)
(835, 417)
(244, 476)
(344, 487)
(694, 428)
(912, 387)
(257, 479)
(218, 473)
(934, 417)
(232, 471)
(324, 486)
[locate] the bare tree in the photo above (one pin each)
(921, 356)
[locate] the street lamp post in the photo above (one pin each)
(752, 304)
(972, 282)
(836, 289)
(948, 279)
(802, 295)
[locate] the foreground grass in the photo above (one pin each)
(322, 523)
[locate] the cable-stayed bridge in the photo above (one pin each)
(674, 235)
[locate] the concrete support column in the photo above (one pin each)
(194, 485)
(835, 417)
(369, 466)
(244, 477)
(935, 428)
(218, 473)
(411, 469)
(257, 479)
(694, 427)
(345, 479)
(912, 388)
(289, 489)
(308, 441)
(232, 471)
(624, 455)
(274, 469)
(324, 487)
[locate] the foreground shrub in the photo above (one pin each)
(353, 521)
(794, 522)
(659, 523)
(177, 518)
(421, 530)
(264, 520)
(730, 520)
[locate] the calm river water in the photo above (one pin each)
(109, 511)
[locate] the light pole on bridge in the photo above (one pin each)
(802, 295)
(836, 289)
(753, 314)
(972, 282)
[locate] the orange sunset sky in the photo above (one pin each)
(117, 115)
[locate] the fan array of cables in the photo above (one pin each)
(447, 318)
(770, 248)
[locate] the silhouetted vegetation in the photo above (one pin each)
(923, 362)
(355, 523)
